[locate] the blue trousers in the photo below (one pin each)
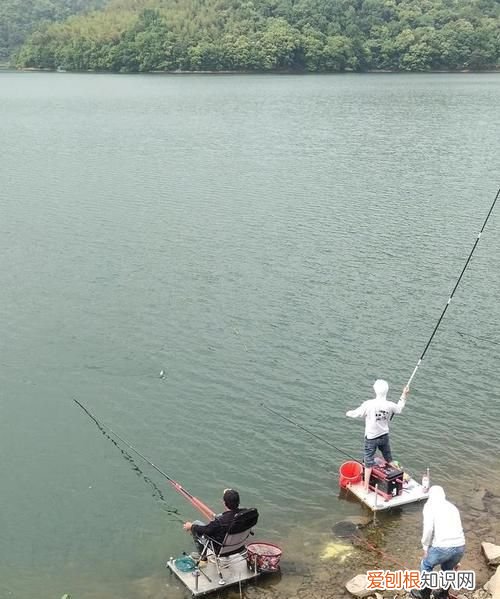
(446, 557)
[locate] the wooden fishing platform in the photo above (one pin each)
(234, 571)
(412, 492)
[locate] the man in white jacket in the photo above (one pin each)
(377, 413)
(443, 538)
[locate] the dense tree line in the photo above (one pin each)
(18, 18)
(272, 35)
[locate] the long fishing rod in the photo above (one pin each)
(197, 503)
(308, 431)
(454, 289)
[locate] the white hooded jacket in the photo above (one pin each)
(377, 412)
(442, 524)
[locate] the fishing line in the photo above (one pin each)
(106, 430)
(157, 493)
(376, 549)
(454, 289)
(479, 338)
(308, 431)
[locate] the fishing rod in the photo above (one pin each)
(454, 289)
(308, 431)
(197, 503)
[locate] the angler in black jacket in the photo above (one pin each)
(218, 527)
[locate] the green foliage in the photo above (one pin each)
(18, 18)
(270, 35)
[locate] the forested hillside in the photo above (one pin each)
(18, 18)
(272, 35)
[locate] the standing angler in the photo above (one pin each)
(377, 412)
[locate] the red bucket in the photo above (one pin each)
(264, 557)
(350, 473)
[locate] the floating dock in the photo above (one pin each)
(207, 580)
(412, 492)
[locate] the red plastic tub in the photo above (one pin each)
(350, 473)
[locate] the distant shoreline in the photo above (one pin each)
(278, 72)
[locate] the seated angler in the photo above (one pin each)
(218, 527)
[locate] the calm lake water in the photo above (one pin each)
(261, 239)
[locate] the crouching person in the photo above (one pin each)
(443, 539)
